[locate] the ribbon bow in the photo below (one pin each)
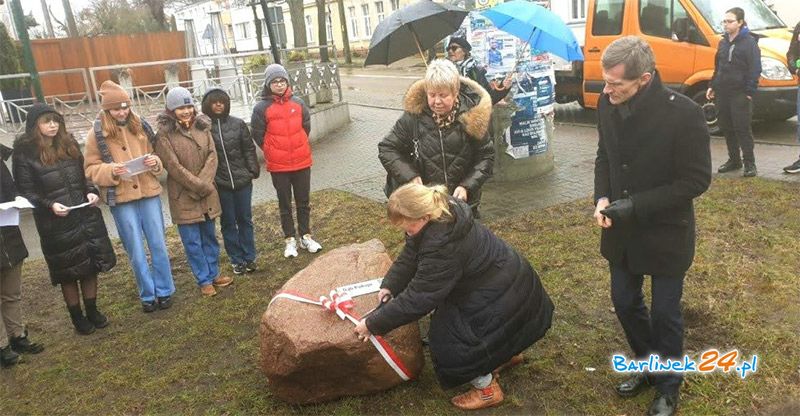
(339, 303)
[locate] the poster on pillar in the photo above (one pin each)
(533, 88)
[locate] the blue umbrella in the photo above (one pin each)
(537, 26)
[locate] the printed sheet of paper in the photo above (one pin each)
(135, 166)
(85, 204)
(9, 211)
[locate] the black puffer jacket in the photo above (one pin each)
(236, 152)
(461, 155)
(12, 247)
(489, 303)
(76, 246)
(737, 64)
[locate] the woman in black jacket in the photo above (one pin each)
(442, 137)
(237, 167)
(13, 335)
(48, 169)
(487, 301)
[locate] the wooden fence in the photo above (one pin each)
(66, 53)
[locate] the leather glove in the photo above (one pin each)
(620, 210)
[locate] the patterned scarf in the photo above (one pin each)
(466, 66)
(445, 120)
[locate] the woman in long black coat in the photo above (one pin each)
(487, 301)
(48, 169)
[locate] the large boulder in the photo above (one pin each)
(310, 355)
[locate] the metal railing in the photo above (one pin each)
(313, 81)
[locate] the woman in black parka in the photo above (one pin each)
(487, 301)
(442, 137)
(48, 170)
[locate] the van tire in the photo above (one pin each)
(709, 111)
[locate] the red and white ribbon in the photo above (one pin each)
(342, 305)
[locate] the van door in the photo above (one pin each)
(604, 25)
(661, 23)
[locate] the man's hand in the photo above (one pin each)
(619, 210)
(601, 219)
(710, 94)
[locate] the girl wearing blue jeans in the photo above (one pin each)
(118, 136)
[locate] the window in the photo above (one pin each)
(367, 23)
(241, 31)
(578, 10)
(309, 29)
(395, 4)
(278, 27)
(668, 19)
(607, 18)
(353, 22)
(379, 10)
(329, 26)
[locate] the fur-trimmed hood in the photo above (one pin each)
(167, 122)
(475, 105)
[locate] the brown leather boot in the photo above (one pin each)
(479, 398)
(513, 362)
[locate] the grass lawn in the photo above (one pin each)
(201, 356)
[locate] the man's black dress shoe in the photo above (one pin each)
(663, 405)
(632, 386)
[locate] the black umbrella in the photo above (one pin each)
(412, 29)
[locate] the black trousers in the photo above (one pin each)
(299, 183)
(658, 331)
(735, 115)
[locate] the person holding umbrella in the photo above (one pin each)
(459, 52)
(442, 137)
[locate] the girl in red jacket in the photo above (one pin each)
(281, 124)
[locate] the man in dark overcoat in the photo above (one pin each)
(653, 159)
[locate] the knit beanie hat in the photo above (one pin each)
(179, 97)
(113, 96)
(274, 71)
(462, 42)
(36, 111)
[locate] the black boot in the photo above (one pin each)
(82, 325)
(8, 357)
(730, 166)
(95, 317)
(23, 345)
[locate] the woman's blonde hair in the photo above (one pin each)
(110, 128)
(442, 74)
(413, 201)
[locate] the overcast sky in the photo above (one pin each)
(35, 6)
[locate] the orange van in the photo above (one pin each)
(684, 35)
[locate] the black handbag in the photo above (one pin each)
(391, 182)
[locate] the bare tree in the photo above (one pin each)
(322, 30)
(298, 23)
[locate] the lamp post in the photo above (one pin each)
(27, 54)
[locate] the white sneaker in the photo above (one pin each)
(291, 248)
(309, 244)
